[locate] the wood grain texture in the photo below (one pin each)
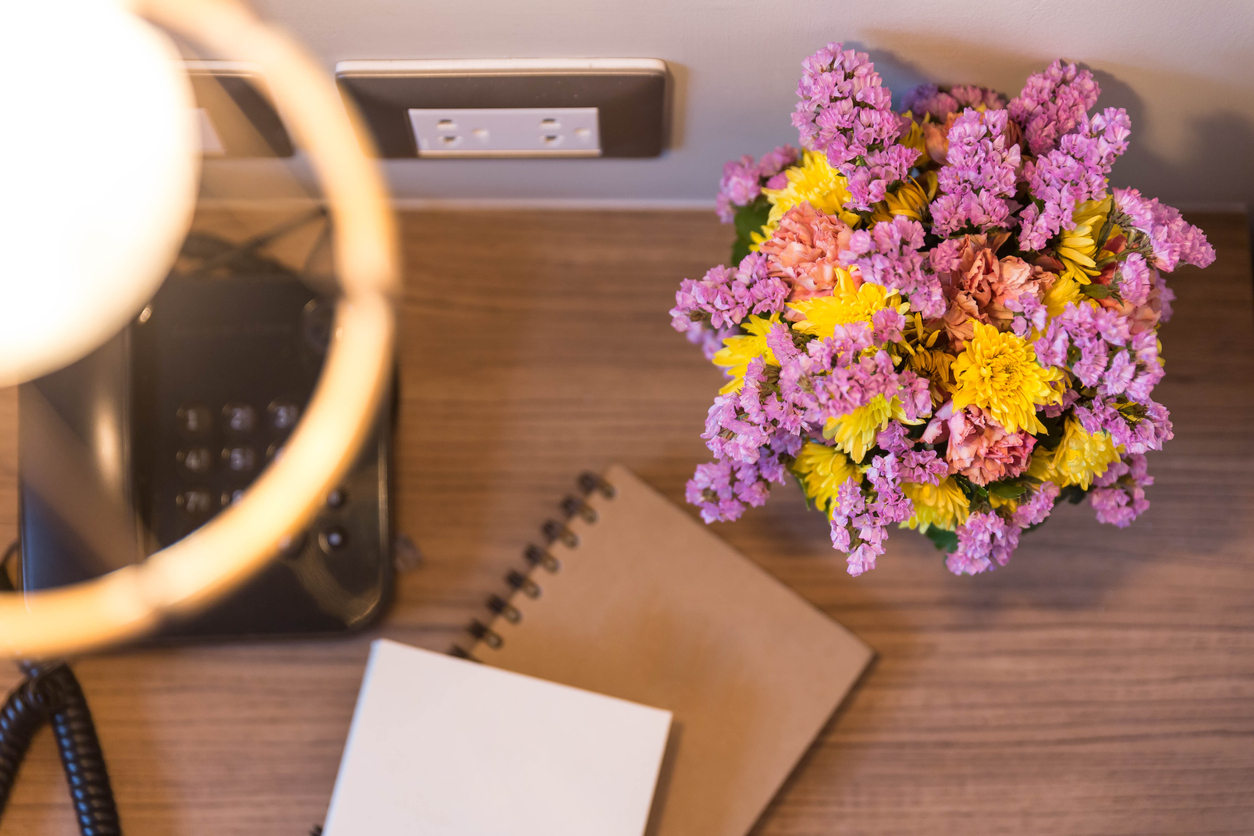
(1102, 683)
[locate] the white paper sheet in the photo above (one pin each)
(441, 746)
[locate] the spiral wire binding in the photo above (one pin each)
(538, 556)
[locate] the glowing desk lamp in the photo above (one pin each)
(98, 178)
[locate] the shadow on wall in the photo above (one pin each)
(1223, 136)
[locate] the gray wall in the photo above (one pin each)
(1184, 71)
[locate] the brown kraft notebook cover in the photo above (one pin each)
(650, 606)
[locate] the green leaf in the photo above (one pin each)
(945, 541)
(1097, 291)
(750, 218)
(973, 491)
(1008, 489)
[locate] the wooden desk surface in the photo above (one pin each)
(1102, 683)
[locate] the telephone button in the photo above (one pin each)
(240, 459)
(333, 539)
(283, 415)
(195, 504)
(194, 420)
(240, 418)
(196, 461)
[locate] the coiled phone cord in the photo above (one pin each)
(51, 693)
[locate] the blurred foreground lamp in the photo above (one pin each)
(98, 179)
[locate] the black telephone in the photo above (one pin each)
(133, 447)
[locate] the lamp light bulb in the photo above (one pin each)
(99, 166)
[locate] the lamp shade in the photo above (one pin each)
(99, 177)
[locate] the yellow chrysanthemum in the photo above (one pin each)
(1011, 505)
(937, 367)
(855, 432)
(1062, 292)
(814, 181)
(822, 470)
(739, 351)
(998, 373)
(909, 199)
(1077, 247)
(848, 303)
(1080, 458)
(944, 506)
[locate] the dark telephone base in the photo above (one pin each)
(172, 420)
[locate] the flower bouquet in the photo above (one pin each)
(943, 318)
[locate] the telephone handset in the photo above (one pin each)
(144, 440)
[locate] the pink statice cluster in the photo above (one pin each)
(947, 320)
(978, 181)
(1070, 174)
(1118, 495)
(930, 100)
(743, 179)
(890, 254)
(1052, 104)
(709, 310)
(847, 113)
(1171, 239)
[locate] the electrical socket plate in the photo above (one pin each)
(237, 117)
(492, 132)
(629, 97)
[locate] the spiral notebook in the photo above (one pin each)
(636, 599)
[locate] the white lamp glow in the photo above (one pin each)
(99, 181)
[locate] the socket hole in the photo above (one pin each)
(552, 139)
(449, 140)
(549, 125)
(446, 125)
(481, 134)
(583, 133)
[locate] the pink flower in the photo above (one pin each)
(1141, 289)
(978, 285)
(805, 251)
(982, 450)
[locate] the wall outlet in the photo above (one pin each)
(506, 132)
(519, 107)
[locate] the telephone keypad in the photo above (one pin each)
(226, 364)
(243, 436)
